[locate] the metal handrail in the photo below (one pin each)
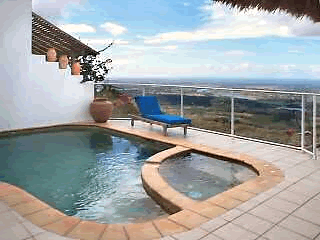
(232, 90)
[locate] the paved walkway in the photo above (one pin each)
(291, 210)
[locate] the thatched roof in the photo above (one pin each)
(46, 35)
(298, 8)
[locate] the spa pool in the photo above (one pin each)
(200, 177)
(86, 172)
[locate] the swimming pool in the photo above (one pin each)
(200, 177)
(90, 173)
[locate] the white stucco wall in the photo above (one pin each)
(58, 97)
(15, 48)
(31, 93)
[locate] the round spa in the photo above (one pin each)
(199, 176)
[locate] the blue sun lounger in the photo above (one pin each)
(150, 112)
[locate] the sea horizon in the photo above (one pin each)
(270, 83)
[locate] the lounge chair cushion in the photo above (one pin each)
(148, 105)
(170, 119)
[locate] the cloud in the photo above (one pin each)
(102, 41)
(214, 33)
(53, 10)
(114, 29)
(123, 61)
(315, 69)
(287, 67)
(232, 68)
(239, 53)
(296, 49)
(231, 23)
(132, 67)
(217, 33)
(77, 28)
(170, 47)
(186, 4)
(305, 28)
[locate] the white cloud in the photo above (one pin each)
(231, 23)
(315, 68)
(132, 67)
(212, 33)
(58, 8)
(296, 49)
(306, 28)
(114, 29)
(239, 53)
(206, 7)
(121, 42)
(77, 28)
(186, 4)
(123, 61)
(287, 67)
(95, 41)
(170, 47)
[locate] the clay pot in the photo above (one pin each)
(51, 55)
(63, 61)
(101, 110)
(122, 100)
(290, 132)
(125, 98)
(75, 70)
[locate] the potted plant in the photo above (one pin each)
(96, 70)
(104, 103)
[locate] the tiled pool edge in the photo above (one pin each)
(193, 213)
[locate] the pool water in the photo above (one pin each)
(200, 177)
(90, 173)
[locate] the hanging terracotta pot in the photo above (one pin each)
(101, 110)
(76, 68)
(63, 61)
(51, 55)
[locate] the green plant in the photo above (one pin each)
(94, 69)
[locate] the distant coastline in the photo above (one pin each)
(308, 85)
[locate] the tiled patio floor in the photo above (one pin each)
(290, 210)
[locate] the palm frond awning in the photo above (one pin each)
(298, 8)
(46, 35)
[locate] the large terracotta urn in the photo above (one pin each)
(101, 110)
(51, 55)
(75, 70)
(63, 61)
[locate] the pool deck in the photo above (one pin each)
(290, 209)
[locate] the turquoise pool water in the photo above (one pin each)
(90, 173)
(200, 177)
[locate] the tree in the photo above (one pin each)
(94, 69)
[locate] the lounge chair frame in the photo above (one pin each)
(164, 125)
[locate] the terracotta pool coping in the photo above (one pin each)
(187, 213)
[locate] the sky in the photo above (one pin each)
(190, 38)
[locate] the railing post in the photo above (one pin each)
(232, 114)
(181, 102)
(302, 122)
(314, 127)
(143, 91)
